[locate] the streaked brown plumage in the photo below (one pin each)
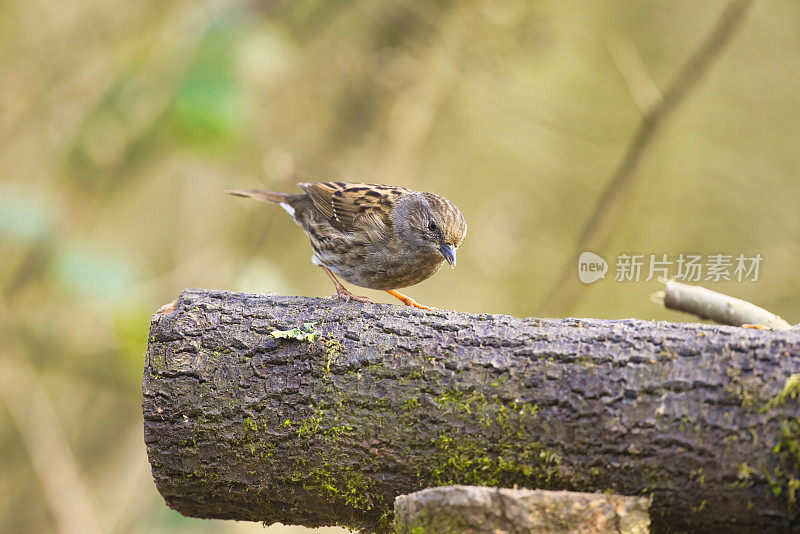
(375, 236)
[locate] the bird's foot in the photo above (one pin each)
(408, 301)
(345, 295)
(341, 291)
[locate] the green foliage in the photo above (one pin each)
(209, 108)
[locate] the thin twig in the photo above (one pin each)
(718, 307)
(643, 90)
(609, 208)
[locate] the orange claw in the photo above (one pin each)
(408, 301)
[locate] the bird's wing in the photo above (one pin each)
(354, 207)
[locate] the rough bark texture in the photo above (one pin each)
(482, 510)
(390, 400)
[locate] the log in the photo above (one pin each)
(482, 510)
(318, 412)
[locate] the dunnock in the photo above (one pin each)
(375, 236)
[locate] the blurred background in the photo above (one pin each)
(122, 123)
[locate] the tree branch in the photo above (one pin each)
(718, 307)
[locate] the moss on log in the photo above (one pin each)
(328, 422)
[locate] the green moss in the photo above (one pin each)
(586, 361)
(503, 449)
(250, 437)
(785, 477)
(325, 470)
(332, 351)
(411, 403)
(698, 476)
(668, 354)
(791, 390)
(460, 460)
(700, 507)
(744, 472)
(156, 357)
(216, 352)
(515, 456)
(309, 427)
(205, 476)
(747, 389)
(349, 486)
(190, 445)
(489, 410)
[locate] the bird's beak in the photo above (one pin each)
(449, 253)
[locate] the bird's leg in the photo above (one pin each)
(408, 301)
(341, 291)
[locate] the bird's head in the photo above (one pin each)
(431, 223)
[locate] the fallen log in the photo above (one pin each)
(318, 412)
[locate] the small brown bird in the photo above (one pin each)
(376, 236)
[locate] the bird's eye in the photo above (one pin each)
(432, 225)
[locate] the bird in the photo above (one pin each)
(375, 236)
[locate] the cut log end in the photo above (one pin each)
(482, 510)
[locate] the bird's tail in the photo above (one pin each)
(284, 200)
(263, 196)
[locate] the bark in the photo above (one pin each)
(482, 510)
(389, 400)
